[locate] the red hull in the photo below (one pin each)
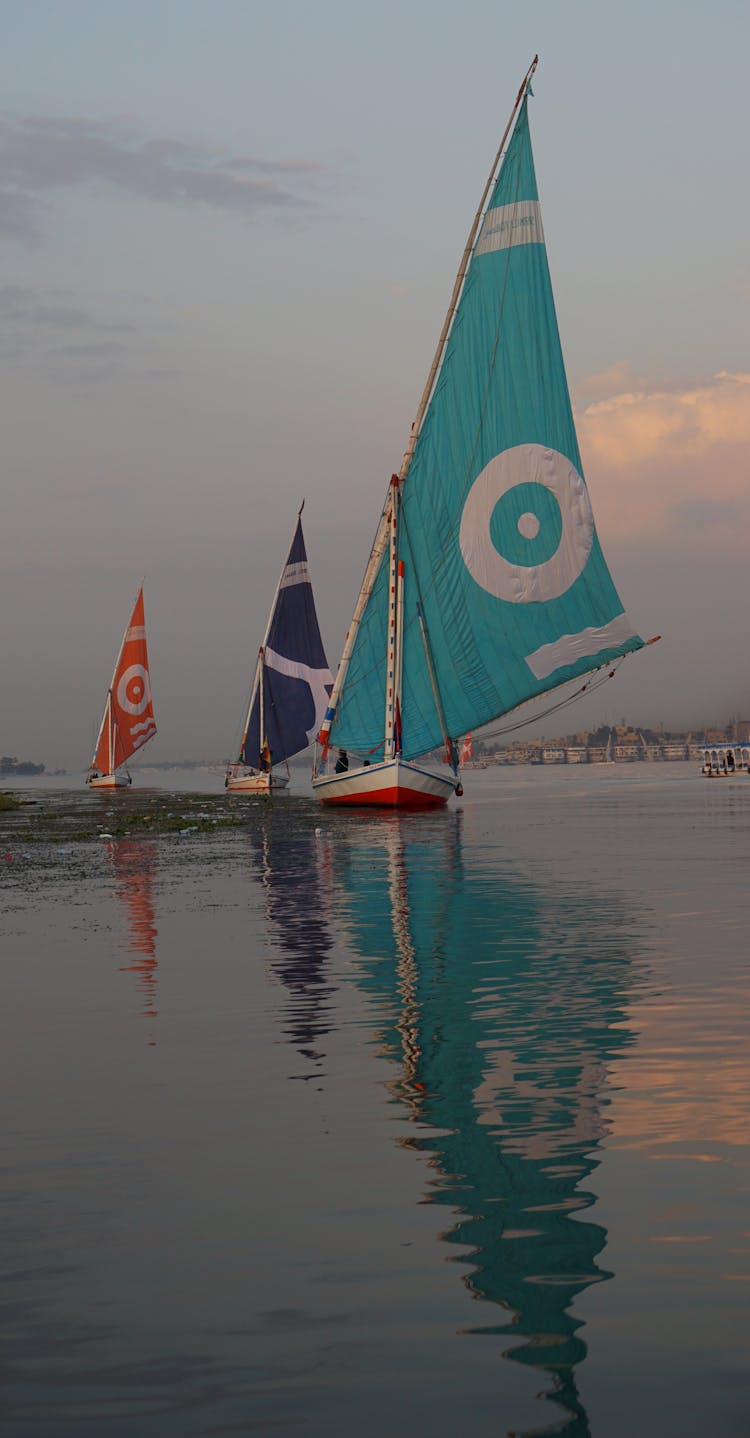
(393, 798)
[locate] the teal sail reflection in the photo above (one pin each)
(502, 1007)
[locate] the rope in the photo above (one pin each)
(589, 687)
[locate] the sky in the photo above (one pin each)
(228, 235)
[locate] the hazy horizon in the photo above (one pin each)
(228, 239)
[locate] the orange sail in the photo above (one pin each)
(128, 721)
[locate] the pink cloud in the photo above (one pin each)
(669, 462)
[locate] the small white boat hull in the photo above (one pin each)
(391, 784)
(256, 783)
(109, 781)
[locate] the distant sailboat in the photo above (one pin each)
(486, 585)
(292, 682)
(128, 720)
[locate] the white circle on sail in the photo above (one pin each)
(527, 583)
(528, 525)
(134, 690)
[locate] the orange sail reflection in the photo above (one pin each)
(134, 863)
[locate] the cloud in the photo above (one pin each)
(50, 331)
(40, 155)
(49, 309)
(670, 462)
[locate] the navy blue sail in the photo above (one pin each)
(292, 678)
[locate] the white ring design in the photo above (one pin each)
(527, 583)
(136, 671)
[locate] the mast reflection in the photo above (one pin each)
(292, 865)
(501, 1008)
(134, 865)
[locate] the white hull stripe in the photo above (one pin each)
(506, 225)
(295, 574)
(256, 783)
(573, 647)
(385, 775)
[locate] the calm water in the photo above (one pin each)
(407, 1125)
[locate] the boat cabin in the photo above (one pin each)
(720, 760)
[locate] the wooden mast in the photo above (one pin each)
(259, 666)
(460, 277)
(384, 526)
(262, 709)
(392, 676)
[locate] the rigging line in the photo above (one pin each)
(436, 371)
(285, 746)
(442, 344)
(589, 688)
(425, 636)
(454, 520)
(534, 718)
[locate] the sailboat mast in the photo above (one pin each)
(111, 733)
(261, 737)
(460, 277)
(392, 675)
(107, 715)
(381, 538)
(258, 679)
(371, 573)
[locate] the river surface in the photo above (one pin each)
(330, 1124)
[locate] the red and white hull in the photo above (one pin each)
(109, 781)
(256, 783)
(391, 784)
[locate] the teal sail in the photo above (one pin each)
(506, 593)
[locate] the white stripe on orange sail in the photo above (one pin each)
(141, 739)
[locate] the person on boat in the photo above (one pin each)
(265, 759)
(342, 763)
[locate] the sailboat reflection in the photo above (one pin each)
(134, 864)
(501, 1008)
(292, 865)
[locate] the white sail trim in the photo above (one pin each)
(316, 678)
(295, 574)
(506, 225)
(150, 728)
(573, 647)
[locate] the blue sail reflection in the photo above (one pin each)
(290, 866)
(501, 1007)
